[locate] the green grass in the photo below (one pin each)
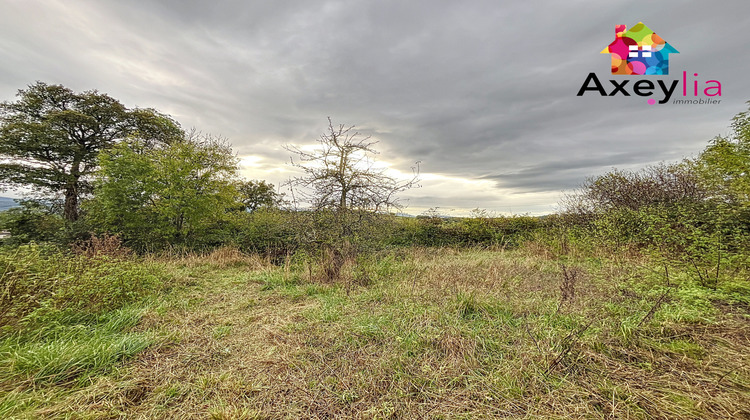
(68, 352)
(66, 321)
(74, 351)
(442, 333)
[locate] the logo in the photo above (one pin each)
(639, 51)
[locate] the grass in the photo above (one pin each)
(413, 333)
(57, 354)
(69, 352)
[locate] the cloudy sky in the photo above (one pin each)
(483, 93)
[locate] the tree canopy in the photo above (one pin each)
(167, 195)
(51, 136)
(725, 163)
(257, 194)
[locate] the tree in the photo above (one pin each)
(50, 138)
(341, 174)
(725, 164)
(724, 168)
(347, 192)
(258, 194)
(173, 194)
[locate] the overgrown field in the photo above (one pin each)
(407, 333)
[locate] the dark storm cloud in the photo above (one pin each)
(480, 90)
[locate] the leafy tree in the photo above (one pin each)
(724, 168)
(50, 138)
(173, 194)
(725, 164)
(257, 194)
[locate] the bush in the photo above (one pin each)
(267, 231)
(32, 221)
(36, 281)
(668, 210)
(633, 190)
(480, 230)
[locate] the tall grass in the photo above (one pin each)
(36, 281)
(69, 351)
(67, 318)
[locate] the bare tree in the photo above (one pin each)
(349, 194)
(341, 174)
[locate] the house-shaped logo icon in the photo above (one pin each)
(639, 51)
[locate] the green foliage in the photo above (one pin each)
(267, 230)
(696, 213)
(181, 193)
(51, 137)
(700, 235)
(725, 164)
(258, 194)
(281, 233)
(479, 230)
(37, 283)
(32, 221)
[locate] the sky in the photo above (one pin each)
(482, 93)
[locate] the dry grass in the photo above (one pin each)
(435, 334)
(222, 257)
(102, 246)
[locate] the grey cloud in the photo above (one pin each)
(481, 90)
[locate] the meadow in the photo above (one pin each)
(543, 330)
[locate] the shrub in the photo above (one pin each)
(268, 231)
(32, 221)
(103, 245)
(633, 190)
(35, 281)
(479, 230)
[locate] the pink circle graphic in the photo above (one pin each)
(637, 67)
(651, 101)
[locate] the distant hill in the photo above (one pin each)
(6, 203)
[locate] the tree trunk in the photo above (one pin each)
(71, 191)
(71, 203)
